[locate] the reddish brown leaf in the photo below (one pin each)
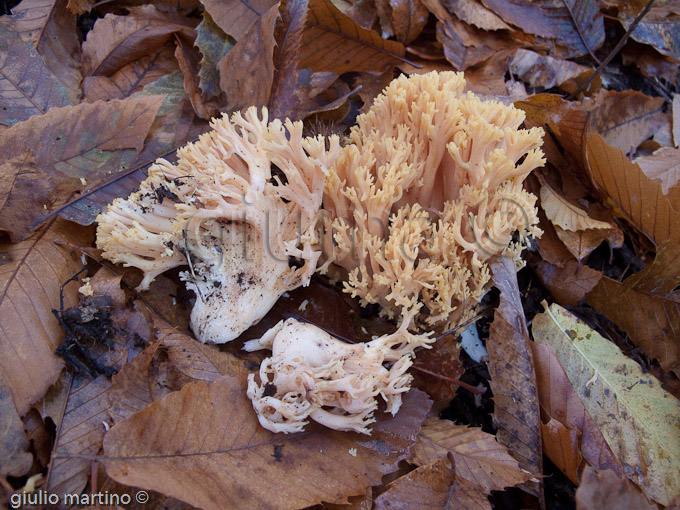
(252, 55)
(608, 491)
(404, 19)
(328, 33)
(80, 6)
(582, 243)
(626, 119)
(183, 444)
(14, 459)
(478, 457)
(426, 487)
(443, 360)
(632, 194)
(85, 141)
(80, 432)
(570, 436)
(131, 78)
(544, 71)
(116, 41)
(464, 494)
(188, 58)
(513, 379)
(646, 307)
(236, 17)
(568, 284)
(550, 247)
(553, 20)
(29, 290)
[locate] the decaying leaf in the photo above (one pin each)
(236, 17)
(513, 379)
(646, 307)
(473, 12)
(445, 361)
(566, 215)
(29, 290)
(632, 194)
(638, 419)
(583, 242)
(204, 445)
(607, 491)
(79, 432)
(213, 44)
(86, 141)
(426, 487)
(663, 165)
(570, 436)
(14, 459)
(404, 20)
(478, 457)
(570, 283)
(544, 71)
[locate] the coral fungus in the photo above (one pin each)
(428, 190)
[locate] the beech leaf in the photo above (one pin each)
(236, 17)
(638, 419)
(478, 457)
(566, 215)
(204, 445)
(570, 283)
(513, 379)
(213, 44)
(605, 490)
(14, 459)
(29, 290)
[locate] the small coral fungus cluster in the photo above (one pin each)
(427, 188)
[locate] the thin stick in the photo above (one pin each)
(470, 388)
(580, 33)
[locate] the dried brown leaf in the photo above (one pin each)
(551, 19)
(426, 487)
(605, 490)
(570, 436)
(645, 306)
(131, 78)
(236, 17)
(14, 459)
(663, 165)
(626, 119)
(213, 44)
(116, 41)
(184, 444)
(189, 58)
(474, 13)
(582, 243)
(87, 140)
(659, 28)
(404, 19)
(676, 120)
(566, 215)
(329, 33)
(513, 379)
(478, 457)
(568, 284)
(252, 55)
(632, 194)
(29, 290)
(80, 432)
(445, 361)
(551, 249)
(80, 6)
(544, 71)
(464, 494)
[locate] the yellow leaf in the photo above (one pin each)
(638, 419)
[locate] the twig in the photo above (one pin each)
(470, 388)
(580, 33)
(616, 50)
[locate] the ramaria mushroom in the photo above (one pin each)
(239, 207)
(428, 190)
(312, 374)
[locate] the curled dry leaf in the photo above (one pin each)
(570, 436)
(426, 487)
(570, 283)
(478, 457)
(634, 196)
(213, 44)
(513, 379)
(115, 41)
(404, 19)
(646, 307)
(80, 431)
(543, 71)
(184, 444)
(188, 58)
(29, 290)
(236, 17)
(115, 133)
(583, 242)
(605, 490)
(566, 215)
(638, 419)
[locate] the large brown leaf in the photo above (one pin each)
(544, 71)
(29, 290)
(570, 283)
(236, 17)
(513, 379)
(14, 459)
(115, 41)
(632, 194)
(204, 445)
(80, 432)
(213, 44)
(605, 490)
(85, 141)
(570, 436)
(404, 19)
(646, 307)
(557, 20)
(478, 457)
